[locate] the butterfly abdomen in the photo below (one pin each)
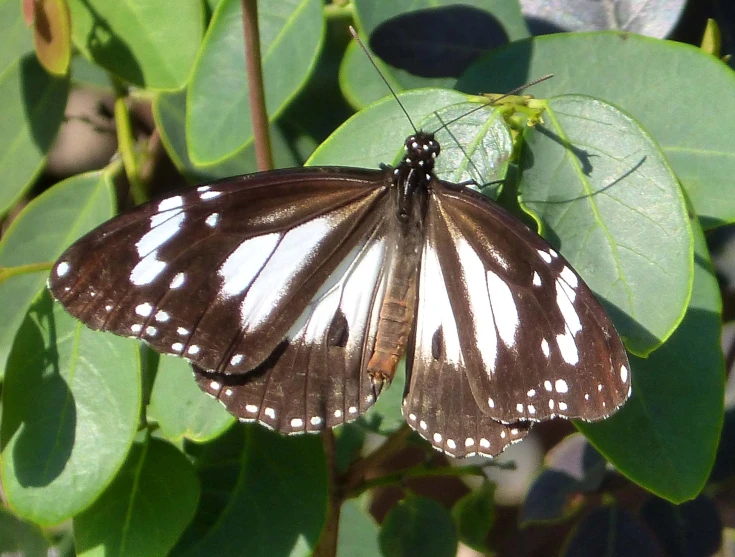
(398, 306)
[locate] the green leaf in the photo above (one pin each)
(145, 509)
(181, 408)
(218, 113)
(358, 79)
(74, 207)
(21, 538)
(358, 532)
(17, 40)
(607, 198)
(149, 44)
(32, 107)
(71, 402)
(376, 136)
(169, 110)
(665, 437)
(694, 128)
(474, 515)
(277, 506)
(418, 526)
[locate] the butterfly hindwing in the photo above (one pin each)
(438, 401)
(317, 375)
(535, 338)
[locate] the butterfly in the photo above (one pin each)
(294, 293)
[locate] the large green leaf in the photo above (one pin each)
(32, 107)
(218, 113)
(666, 436)
(45, 227)
(608, 199)
(418, 526)
(71, 403)
(658, 82)
(149, 44)
(181, 408)
(17, 39)
(277, 505)
(358, 79)
(145, 509)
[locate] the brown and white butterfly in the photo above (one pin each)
(296, 292)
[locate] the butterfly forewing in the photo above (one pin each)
(219, 274)
(534, 338)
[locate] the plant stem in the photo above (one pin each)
(258, 114)
(327, 544)
(126, 143)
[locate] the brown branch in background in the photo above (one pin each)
(263, 155)
(327, 544)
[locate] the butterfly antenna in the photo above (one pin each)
(500, 98)
(377, 69)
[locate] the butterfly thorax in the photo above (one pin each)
(411, 184)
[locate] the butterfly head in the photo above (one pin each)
(421, 151)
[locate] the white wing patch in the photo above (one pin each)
(473, 271)
(276, 277)
(242, 266)
(435, 311)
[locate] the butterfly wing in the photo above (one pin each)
(317, 375)
(438, 401)
(531, 341)
(211, 274)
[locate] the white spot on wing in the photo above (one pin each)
(568, 348)
(437, 438)
(171, 203)
(469, 442)
(519, 407)
(144, 310)
(561, 386)
(297, 422)
(151, 331)
(531, 393)
(270, 412)
(182, 331)
(504, 308)
(545, 347)
(545, 256)
(147, 269)
(215, 386)
(136, 328)
(484, 443)
(491, 403)
(62, 268)
(193, 350)
(536, 279)
(548, 386)
(212, 219)
(422, 425)
(316, 420)
(623, 374)
(209, 195)
(177, 347)
(562, 406)
(160, 234)
(243, 264)
(202, 189)
(564, 298)
(162, 316)
(177, 281)
(568, 275)
(251, 408)
(236, 359)
(338, 413)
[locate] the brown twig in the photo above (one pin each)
(263, 155)
(327, 544)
